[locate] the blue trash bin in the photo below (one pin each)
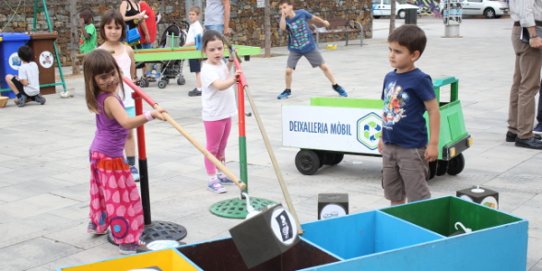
(10, 62)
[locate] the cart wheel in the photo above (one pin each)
(442, 167)
(307, 162)
(332, 158)
(181, 80)
(162, 84)
(143, 83)
(456, 165)
(432, 169)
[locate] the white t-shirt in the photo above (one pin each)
(125, 62)
(216, 104)
(193, 31)
(214, 12)
(29, 71)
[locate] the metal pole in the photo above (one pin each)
(74, 37)
(267, 28)
(142, 154)
(242, 132)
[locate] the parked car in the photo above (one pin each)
(383, 8)
(488, 8)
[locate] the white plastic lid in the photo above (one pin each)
(477, 189)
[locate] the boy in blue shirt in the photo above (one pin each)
(407, 94)
(301, 43)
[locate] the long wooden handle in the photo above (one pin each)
(183, 132)
(276, 167)
(266, 140)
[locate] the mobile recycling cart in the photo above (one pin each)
(328, 128)
(419, 236)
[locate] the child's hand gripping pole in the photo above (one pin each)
(183, 132)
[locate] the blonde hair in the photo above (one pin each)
(97, 62)
(195, 9)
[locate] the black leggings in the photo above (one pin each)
(20, 88)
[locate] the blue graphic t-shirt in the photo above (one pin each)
(300, 38)
(404, 95)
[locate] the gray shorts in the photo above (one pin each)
(314, 57)
(405, 173)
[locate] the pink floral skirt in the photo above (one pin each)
(114, 199)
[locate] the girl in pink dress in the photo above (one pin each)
(114, 197)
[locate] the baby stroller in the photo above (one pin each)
(174, 36)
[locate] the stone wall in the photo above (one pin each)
(246, 18)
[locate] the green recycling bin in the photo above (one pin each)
(42, 43)
(411, 16)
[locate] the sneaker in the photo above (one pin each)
(132, 248)
(194, 92)
(340, 90)
(215, 186)
(22, 101)
(224, 179)
(92, 229)
(40, 99)
(285, 94)
(135, 173)
(538, 129)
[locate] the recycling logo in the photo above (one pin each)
(369, 130)
(14, 61)
(46, 59)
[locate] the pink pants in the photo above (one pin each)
(114, 199)
(217, 133)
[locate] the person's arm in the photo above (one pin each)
(534, 40)
(318, 20)
(227, 11)
(84, 32)
(432, 107)
(282, 23)
(145, 31)
(225, 84)
(115, 110)
(143, 24)
(133, 74)
(23, 76)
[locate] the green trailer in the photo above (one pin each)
(353, 126)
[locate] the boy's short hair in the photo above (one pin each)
(86, 15)
(289, 2)
(410, 36)
(195, 9)
(25, 53)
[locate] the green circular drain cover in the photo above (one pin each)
(237, 208)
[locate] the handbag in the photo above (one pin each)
(132, 36)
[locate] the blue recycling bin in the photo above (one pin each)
(9, 60)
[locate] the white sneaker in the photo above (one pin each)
(215, 186)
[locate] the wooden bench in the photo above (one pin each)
(339, 26)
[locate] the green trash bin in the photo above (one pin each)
(441, 215)
(42, 43)
(411, 16)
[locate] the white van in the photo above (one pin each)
(488, 8)
(383, 8)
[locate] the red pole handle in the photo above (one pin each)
(139, 92)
